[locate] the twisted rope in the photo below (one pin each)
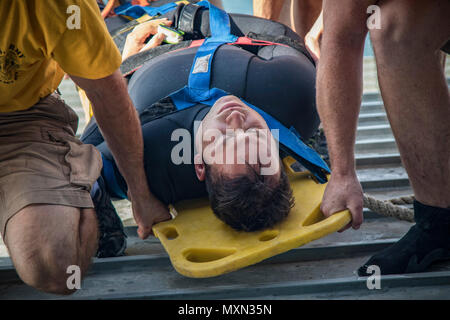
(391, 208)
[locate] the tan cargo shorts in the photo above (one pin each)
(41, 160)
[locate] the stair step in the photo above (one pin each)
(383, 176)
(372, 118)
(372, 107)
(375, 145)
(374, 131)
(377, 159)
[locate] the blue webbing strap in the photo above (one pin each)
(198, 90)
(138, 11)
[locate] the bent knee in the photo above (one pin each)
(402, 31)
(43, 241)
(54, 286)
(392, 35)
(46, 268)
(47, 277)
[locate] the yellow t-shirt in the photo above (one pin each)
(42, 39)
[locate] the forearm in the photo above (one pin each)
(339, 93)
(339, 78)
(120, 126)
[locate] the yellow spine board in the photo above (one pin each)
(201, 246)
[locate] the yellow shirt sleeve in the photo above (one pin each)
(86, 49)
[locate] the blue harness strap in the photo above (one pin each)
(136, 11)
(198, 91)
(198, 88)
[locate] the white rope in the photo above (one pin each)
(391, 208)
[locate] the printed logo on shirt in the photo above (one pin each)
(9, 64)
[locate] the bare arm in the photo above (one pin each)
(121, 128)
(339, 94)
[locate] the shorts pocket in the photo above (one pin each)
(83, 160)
(85, 164)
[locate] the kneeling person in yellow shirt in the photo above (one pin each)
(47, 176)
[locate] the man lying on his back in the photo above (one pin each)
(226, 151)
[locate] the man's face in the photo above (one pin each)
(233, 136)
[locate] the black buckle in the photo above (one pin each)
(187, 18)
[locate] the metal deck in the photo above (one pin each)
(323, 269)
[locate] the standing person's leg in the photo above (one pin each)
(313, 38)
(416, 98)
(415, 92)
(299, 15)
(268, 9)
(302, 13)
(307, 12)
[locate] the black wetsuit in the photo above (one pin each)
(280, 80)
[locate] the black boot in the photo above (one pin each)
(112, 241)
(426, 242)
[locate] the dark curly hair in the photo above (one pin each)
(248, 202)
